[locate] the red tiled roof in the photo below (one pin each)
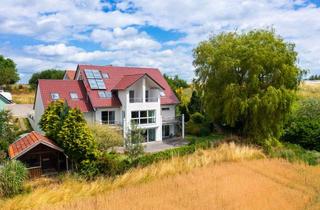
(69, 74)
(64, 88)
(29, 141)
(127, 81)
(116, 80)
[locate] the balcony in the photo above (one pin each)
(140, 100)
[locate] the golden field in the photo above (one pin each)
(228, 177)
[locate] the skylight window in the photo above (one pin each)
(95, 79)
(55, 96)
(105, 94)
(74, 96)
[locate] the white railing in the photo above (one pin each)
(152, 99)
(135, 100)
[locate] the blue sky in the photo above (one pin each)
(39, 35)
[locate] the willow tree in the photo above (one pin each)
(248, 81)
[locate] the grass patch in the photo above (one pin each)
(295, 153)
(71, 188)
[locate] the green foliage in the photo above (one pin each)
(106, 136)
(12, 176)
(314, 77)
(52, 119)
(295, 153)
(8, 131)
(195, 103)
(8, 71)
(198, 125)
(184, 110)
(46, 74)
(133, 142)
(76, 138)
(303, 126)
(175, 82)
(69, 129)
(248, 81)
(151, 158)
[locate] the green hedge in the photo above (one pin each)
(167, 154)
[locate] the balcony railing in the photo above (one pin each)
(135, 100)
(152, 99)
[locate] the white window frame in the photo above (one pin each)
(150, 119)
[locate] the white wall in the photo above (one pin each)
(38, 110)
(168, 114)
(139, 87)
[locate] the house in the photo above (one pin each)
(116, 96)
(41, 155)
(5, 98)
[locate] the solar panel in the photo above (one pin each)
(96, 74)
(101, 84)
(105, 94)
(93, 84)
(89, 73)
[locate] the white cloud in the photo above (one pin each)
(123, 41)
(127, 38)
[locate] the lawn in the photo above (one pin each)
(22, 94)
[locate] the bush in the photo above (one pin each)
(295, 153)
(89, 169)
(106, 136)
(12, 176)
(167, 154)
(303, 126)
(198, 125)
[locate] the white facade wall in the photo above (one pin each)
(139, 88)
(38, 110)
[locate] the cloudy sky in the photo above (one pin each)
(159, 33)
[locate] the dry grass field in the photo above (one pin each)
(309, 90)
(258, 184)
(228, 177)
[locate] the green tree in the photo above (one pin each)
(133, 142)
(46, 74)
(8, 71)
(303, 125)
(248, 81)
(195, 103)
(176, 82)
(314, 77)
(52, 119)
(8, 132)
(76, 138)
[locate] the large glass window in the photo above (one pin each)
(143, 117)
(108, 117)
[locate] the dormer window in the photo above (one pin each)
(74, 96)
(55, 96)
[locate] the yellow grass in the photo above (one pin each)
(256, 185)
(74, 190)
(23, 98)
(309, 91)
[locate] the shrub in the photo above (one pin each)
(303, 125)
(295, 153)
(198, 125)
(12, 176)
(89, 169)
(106, 136)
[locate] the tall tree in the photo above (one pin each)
(8, 71)
(46, 74)
(248, 81)
(176, 82)
(8, 132)
(195, 103)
